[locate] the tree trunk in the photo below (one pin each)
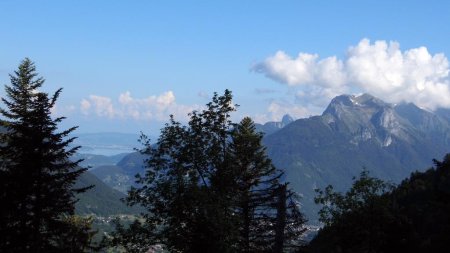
(280, 219)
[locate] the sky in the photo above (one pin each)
(125, 66)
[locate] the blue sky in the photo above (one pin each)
(126, 65)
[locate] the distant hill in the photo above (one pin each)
(132, 163)
(102, 200)
(273, 126)
(122, 175)
(114, 176)
(355, 132)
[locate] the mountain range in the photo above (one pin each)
(352, 134)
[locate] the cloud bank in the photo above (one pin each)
(128, 107)
(380, 68)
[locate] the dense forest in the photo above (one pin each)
(208, 186)
(374, 216)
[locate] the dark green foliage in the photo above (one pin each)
(412, 217)
(135, 238)
(269, 221)
(209, 187)
(365, 190)
(183, 189)
(358, 219)
(424, 203)
(78, 236)
(36, 187)
(257, 184)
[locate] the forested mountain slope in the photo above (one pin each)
(101, 200)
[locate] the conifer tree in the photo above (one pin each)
(36, 173)
(256, 181)
(269, 219)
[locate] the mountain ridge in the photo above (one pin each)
(273, 126)
(101, 200)
(355, 132)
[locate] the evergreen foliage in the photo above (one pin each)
(36, 173)
(136, 238)
(374, 217)
(78, 235)
(266, 210)
(364, 191)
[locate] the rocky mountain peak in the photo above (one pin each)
(286, 119)
(359, 102)
(368, 100)
(355, 110)
(366, 117)
(423, 120)
(355, 132)
(273, 126)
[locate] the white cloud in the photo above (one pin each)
(128, 107)
(62, 110)
(85, 105)
(102, 106)
(287, 70)
(277, 110)
(380, 69)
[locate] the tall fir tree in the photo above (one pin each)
(269, 219)
(256, 181)
(36, 173)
